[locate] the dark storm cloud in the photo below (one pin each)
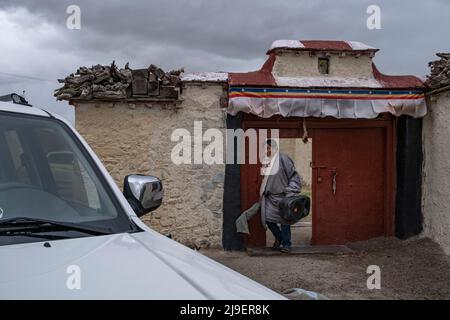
(208, 35)
(241, 30)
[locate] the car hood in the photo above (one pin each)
(143, 265)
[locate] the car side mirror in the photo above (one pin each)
(144, 193)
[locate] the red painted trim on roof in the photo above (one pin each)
(397, 82)
(262, 77)
(326, 45)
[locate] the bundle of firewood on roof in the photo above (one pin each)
(440, 72)
(109, 82)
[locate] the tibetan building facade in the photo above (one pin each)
(365, 177)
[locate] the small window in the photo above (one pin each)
(324, 65)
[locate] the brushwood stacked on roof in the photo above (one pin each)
(111, 83)
(440, 72)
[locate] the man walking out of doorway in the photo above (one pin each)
(280, 180)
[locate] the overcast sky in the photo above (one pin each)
(203, 35)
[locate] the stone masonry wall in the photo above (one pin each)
(436, 173)
(135, 138)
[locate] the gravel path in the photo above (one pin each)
(412, 269)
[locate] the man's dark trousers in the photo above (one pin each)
(283, 234)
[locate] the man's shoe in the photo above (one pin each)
(276, 244)
(285, 249)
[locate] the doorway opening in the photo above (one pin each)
(301, 155)
(353, 179)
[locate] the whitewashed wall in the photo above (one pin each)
(135, 138)
(301, 64)
(436, 174)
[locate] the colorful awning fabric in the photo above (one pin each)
(338, 103)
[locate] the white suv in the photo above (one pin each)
(68, 232)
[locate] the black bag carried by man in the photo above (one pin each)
(294, 208)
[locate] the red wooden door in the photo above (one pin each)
(250, 183)
(348, 184)
(250, 187)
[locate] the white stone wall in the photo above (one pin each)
(135, 138)
(436, 173)
(301, 64)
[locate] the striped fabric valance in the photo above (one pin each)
(338, 103)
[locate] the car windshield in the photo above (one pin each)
(45, 173)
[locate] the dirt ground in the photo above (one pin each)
(411, 269)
